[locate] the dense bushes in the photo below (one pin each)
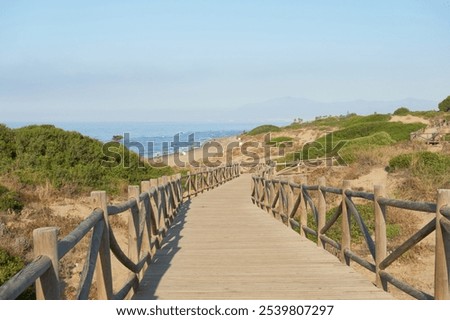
(266, 128)
(9, 266)
(68, 160)
(423, 163)
(358, 137)
(402, 111)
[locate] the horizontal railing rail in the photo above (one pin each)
(293, 204)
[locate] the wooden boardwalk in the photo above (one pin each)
(221, 246)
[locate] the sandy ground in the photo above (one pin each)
(409, 119)
(82, 208)
(215, 149)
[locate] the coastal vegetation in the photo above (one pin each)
(39, 163)
(444, 105)
(68, 161)
(355, 134)
(266, 128)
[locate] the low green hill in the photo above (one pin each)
(266, 128)
(69, 161)
(354, 133)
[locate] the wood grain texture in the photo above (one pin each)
(221, 246)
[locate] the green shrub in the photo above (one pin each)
(402, 161)
(402, 111)
(444, 105)
(9, 266)
(431, 164)
(7, 145)
(10, 200)
(266, 128)
(423, 164)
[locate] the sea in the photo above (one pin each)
(153, 138)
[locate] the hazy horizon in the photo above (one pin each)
(175, 60)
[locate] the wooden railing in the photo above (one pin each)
(151, 209)
(209, 179)
(292, 203)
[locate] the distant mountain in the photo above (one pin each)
(285, 109)
(288, 108)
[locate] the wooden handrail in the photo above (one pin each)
(268, 195)
(151, 209)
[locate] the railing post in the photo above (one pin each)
(303, 211)
(155, 216)
(45, 242)
(196, 183)
(275, 190)
(442, 251)
(189, 184)
(202, 180)
(380, 234)
(176, 187)
(133, 226)
(290, 200)
(346, 237)
(266, 194)
(103, 266)
(322, 210)
(147, 235)
(163, 204)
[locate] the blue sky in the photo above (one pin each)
(122, 60)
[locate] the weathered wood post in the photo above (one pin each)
(303, 208)
(267, 197)
(283, 198)
(290, 200)
(134, 243)
(170, 203)
(346, 236)
(380, 234)
(165, 203)
(202, 180)
(189, 185)
(322, 210)
(147, 234)
(178, 194)
(156, 223)
(103, 266)
(45, 242)
(442, 251)
(195, 182)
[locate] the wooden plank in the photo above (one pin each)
(222, 246)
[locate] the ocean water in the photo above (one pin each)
(153, 138)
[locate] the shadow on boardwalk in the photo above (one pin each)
(170, 246)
